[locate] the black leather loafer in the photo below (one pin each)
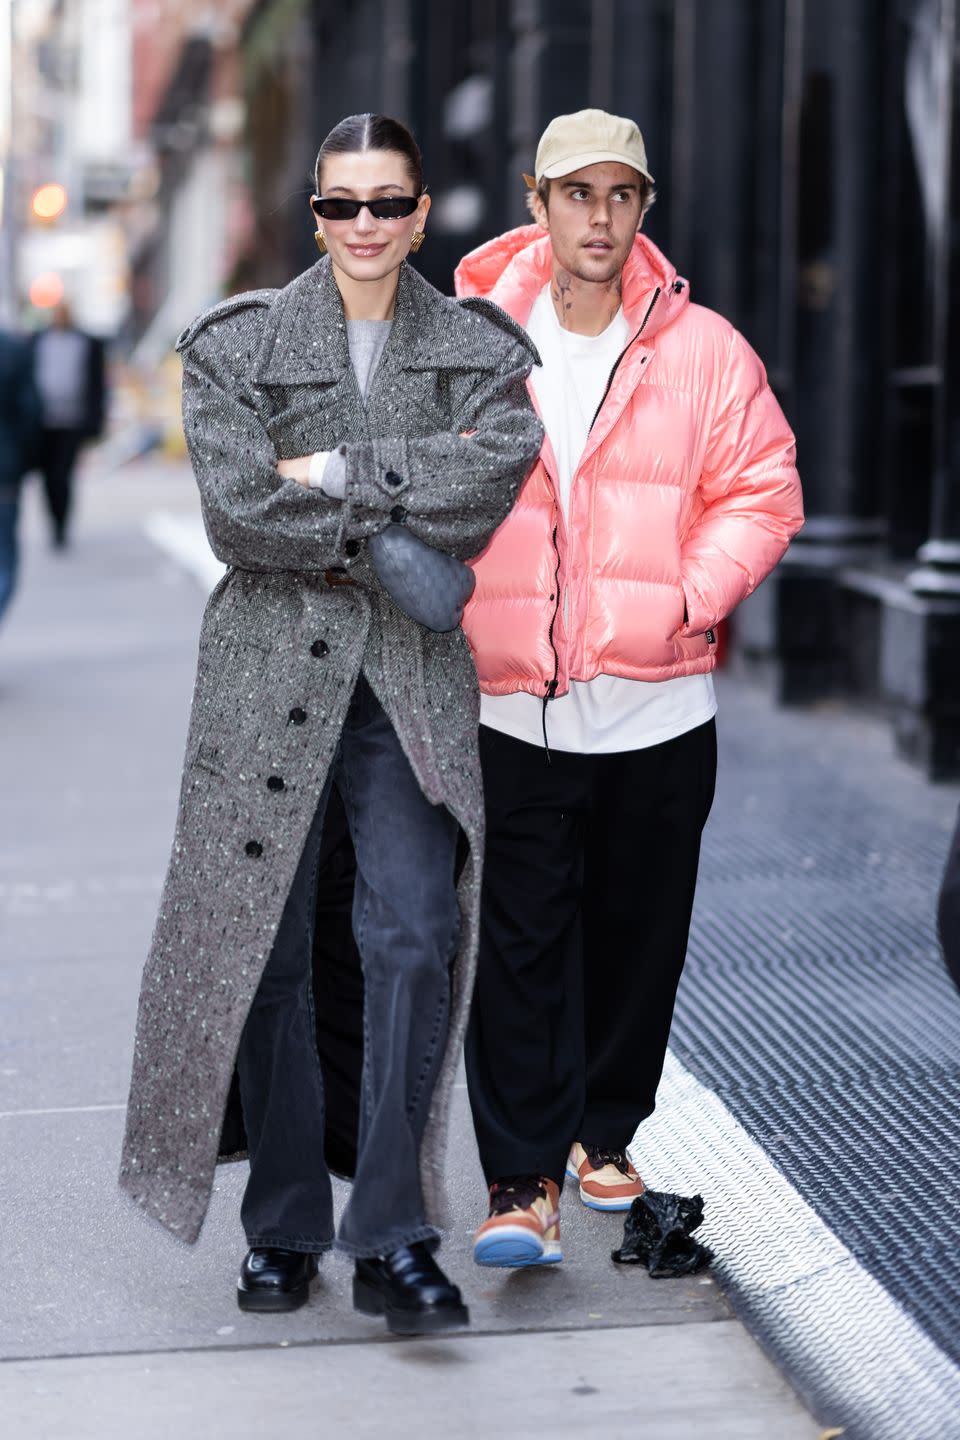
(409, 1288)
(275, 1280)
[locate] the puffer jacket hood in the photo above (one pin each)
(512, 270)
(685, 497)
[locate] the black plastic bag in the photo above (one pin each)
(659, 1234)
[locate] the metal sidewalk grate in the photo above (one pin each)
(815, 1005)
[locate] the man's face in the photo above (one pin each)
(593, 217)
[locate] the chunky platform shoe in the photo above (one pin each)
(275, 1280)
(410, 1290)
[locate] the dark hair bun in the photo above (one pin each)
(359, 133)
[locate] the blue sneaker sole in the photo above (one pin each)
(616, 1209)
(507, 1253)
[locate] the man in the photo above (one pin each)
(19, 417)
(69, 368)
(665, 491)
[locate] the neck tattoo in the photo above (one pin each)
(583, 306)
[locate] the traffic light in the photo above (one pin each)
(49, 202)
(46, 290)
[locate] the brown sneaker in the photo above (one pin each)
(607, 1179)
(523, 1227)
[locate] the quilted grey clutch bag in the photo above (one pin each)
(429, 586)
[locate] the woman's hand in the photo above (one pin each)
(298, 469)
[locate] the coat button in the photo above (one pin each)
(398, 514)
(352, 548)
(297, 716)
(254, 849)
(275, 782)
(319, 648)
(392, 478)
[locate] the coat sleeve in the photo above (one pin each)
(255, 519)
(750, 494)
(452, 488)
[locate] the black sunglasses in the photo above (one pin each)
(390, 207)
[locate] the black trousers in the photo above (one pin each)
(589, 877)
(56, 460)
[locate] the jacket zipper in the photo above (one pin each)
(616, 363)
(552, 684)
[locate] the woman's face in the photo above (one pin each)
(366, 248)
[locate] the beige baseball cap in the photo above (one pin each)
(586, 138)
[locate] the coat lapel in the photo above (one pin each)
(305, 340)
(305, 343)
(405, 380)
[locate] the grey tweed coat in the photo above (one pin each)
(267, 375)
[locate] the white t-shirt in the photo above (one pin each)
(608, 713)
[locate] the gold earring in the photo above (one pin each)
(321, 240)
(418, 238)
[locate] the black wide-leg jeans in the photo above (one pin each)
(406, 921)
(589, 877)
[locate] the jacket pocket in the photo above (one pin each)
(680, 612)
(223, 678)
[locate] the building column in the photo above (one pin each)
(830, 368)
(939, 571)
(921, 639)
(551, 73)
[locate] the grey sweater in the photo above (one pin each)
(365, 340)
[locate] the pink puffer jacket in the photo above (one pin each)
(685, 497)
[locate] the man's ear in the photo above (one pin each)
(538, 211)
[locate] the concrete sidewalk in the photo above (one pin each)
(668, 1383)
(109, 1328)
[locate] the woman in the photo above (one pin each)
(312, 679)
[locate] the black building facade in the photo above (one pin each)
(807, 154)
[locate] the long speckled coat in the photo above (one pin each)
(267, 375)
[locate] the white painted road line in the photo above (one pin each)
(183, 538)
(62, 1110)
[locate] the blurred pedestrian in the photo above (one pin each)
(19, 420)
(665, 491)
(69, 369)
(948, 909)
(334, 427)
